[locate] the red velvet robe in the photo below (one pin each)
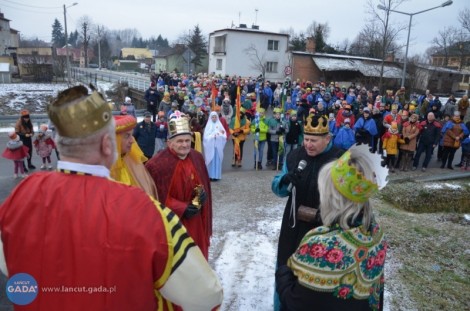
(78, 231)
(175, 180)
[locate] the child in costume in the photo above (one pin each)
(391, 139)
(345, 137)
(17, 152)
(44, 145)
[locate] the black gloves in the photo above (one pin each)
(257, 130)
(407, 140)
(280, 131)
(291, 178)
(191, 211)
(202, 197)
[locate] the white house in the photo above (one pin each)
(249, 52)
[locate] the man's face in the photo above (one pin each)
(126, 141)
(180, 144)
(147, 119)
(314, 145)
(431, 117)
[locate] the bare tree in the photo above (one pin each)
(444, 40)
(99, 33)
(85, 24)
(258, 61)
(320, 33)
(464, 19)
(389, 34)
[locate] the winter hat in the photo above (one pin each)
(127, 99)
(124, 123)
(43, 128)
(347, 121)
(293, 113)
(331, 115)
(13, 136)
(152, 84)
(366, 110)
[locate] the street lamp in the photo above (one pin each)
(66, 40)
(381, 7)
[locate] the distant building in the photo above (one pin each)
(35, 63)
(458, 56)
(439, 79)
(177, 58)
(327, 68)
(9, 40)
(248, 52)
(76, 56)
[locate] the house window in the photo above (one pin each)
(218, 66)
(273, 45)
(271, 67)
(219, 44)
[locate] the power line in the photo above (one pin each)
(28, 11)
(33, 6)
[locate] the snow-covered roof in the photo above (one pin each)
(443, 69)
(364, 66)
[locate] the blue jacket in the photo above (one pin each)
(145, 135)
(344, 138)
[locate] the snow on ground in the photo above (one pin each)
(442, 186)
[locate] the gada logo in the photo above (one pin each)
(22, 289)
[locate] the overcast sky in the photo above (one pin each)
(34, 18)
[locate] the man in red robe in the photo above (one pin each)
(180, 173)
(90, 242)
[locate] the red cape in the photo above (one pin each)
(175, 180)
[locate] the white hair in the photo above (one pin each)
(81, 147)
(334, 207)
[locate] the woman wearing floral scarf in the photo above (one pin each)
(340, 265)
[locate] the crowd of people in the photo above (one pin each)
(399, 126)
(139, 211)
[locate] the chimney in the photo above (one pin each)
(310, 46)
(390, 57)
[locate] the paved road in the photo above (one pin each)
(7, 182)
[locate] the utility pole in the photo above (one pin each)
(66, 41)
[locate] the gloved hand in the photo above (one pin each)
(407, 140)
(257, 130)
(278, 132)
(191, 211)
(284, 280)
(235, 134)
(291, 178)
(202, 197)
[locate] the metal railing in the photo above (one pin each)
(136, 81)
(42, 118)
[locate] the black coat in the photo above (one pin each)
(145, 135)
(306, 194)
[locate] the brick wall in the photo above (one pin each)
(305, 69)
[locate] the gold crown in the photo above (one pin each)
(350, 182)
(316, 125)
(178, 124)
(76, 114)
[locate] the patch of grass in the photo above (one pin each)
(418, 198)
(434, 259)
